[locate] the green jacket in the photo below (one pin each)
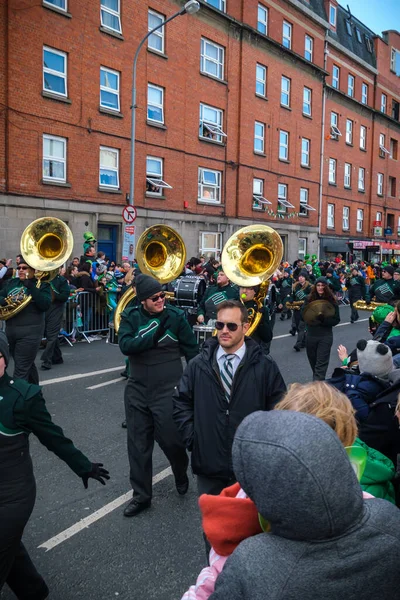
(378, 475)
(41, 296)
(60, 287)
(334, 283)
(214, 296)
(23, 411)
(384, 290)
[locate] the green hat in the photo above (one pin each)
(89, 237)
(381, 312)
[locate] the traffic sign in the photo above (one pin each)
(129, 214)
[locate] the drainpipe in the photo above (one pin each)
(321, 176)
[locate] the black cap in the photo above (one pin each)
(389, 269)
(321, 280)
(146, 286)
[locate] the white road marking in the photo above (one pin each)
(99, 385)
(99, 514)
(80, 375)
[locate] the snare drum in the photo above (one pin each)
(189, 291)
(202, 333)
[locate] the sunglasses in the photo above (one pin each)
(158, 297)
(22, 268)
(219, 325)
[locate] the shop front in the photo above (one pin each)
(331, 247)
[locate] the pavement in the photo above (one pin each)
(79, 539)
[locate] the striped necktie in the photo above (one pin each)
(227, 375)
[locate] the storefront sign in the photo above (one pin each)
(388, 231)
(361, 244)
(377, 223)
(378, 231)
(128, 246)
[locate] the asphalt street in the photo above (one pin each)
(158, 554)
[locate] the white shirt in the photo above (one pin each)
(239, 354)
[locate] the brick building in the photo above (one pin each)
(268, 111)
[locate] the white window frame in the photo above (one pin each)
(348, 28)
(219, 62)
(350, 85)
(259, 201)
(393, 61)
(360, 220)
(50, 158)
(330, 221)
(368, 43)
(305, 152)
(346, 218)
(283, 145)
(363, 137)
(347, 175)
(364, 93)
(112, 12)
(106, 167)
(383, 103)
(332, 15)
(383, 151)
(221, 4)
(358, 35)
(332, 170)
(154, 178)
(308, 47)
(262, 21)
(283, 202)
(285, 92)
(202, 183)
(155, 104)
(205, 249)
(109, 90)
(336, 77)
(287, 38)
(307, 101)
(361, 179)
(349, 131)
(59, 74)
(302, 248)
(160, 33)
(304, 206)
(379, 189)
(52, 4)
(378, 216)
(335, 131)
(259, 137)
(262, 82)
(211, 130)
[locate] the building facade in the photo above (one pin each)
(249, 111)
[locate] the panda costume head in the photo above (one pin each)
(374, 358)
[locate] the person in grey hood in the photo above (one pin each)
(325, 541)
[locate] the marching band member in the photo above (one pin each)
(263, 333)
(385, 290)
(216, 294)
(355, 284)
(53, 320)
(301, 289)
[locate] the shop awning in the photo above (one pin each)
(335, 245)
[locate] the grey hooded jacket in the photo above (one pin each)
(326, 542)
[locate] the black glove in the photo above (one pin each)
(165, 322)
(97, 472)
(321, 318)
(367, 302)
(28, 283)
(3, 302)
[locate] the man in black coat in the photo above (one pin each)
(54, 316)
(228, 380)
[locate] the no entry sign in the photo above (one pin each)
(129, 214)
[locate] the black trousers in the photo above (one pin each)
(54, 317)
(148, 409)
(318, 353)
(24, 342)
(354, 316)
(300, 327)
(212, 486)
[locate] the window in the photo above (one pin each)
(262, 19)
(54, 159)
(283, 202)
(379, 217)
(392, 187)
(395, 110)
(212, 59)
(305, 152)
(61, 4)
(346, 218)
(259, 141)
(285, 91)
(259, 202)
(332, 170)
(348, 28)
(360, 220)
(335, 132)
(110, 15)
(54, 71)
(331, 216)
(109, 168)
(358, 35)
(361, 179)
(287, 35)
(210, 243)
(364, 93)
(368, 44)
(379, 190)
(390, 221)
(393, 149)
(154, 177)
(382, 146)
(383, 103)
(307, 99)
(308, 48)
(220, 4)
(347, 175)
(211, 120)
(332, 15)
(349, 131)
(350, 86)
(156, 41)
(209, 186)
(155, 103)
(304, 206)
(395, 61)
(363, 137)
(283, 145)
(335, 77)
(109, 89)
(261, 80)
(302, 249)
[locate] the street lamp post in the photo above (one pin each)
(191, 7)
